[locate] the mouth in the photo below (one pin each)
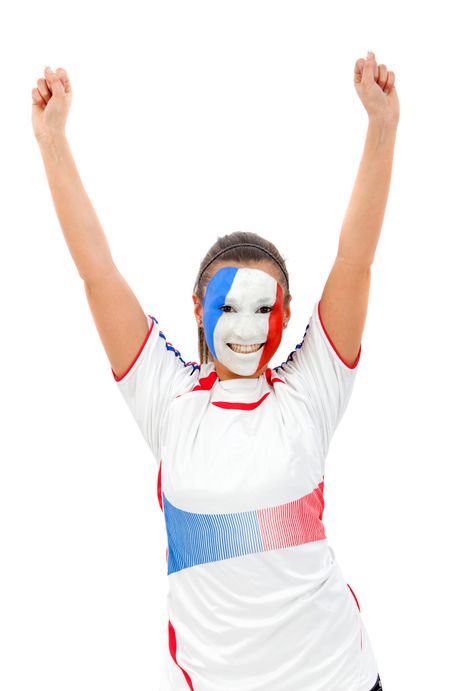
(238, 348)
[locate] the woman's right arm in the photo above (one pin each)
(120, 320)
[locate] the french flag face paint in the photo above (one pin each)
(243, 306)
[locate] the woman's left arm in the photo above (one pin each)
(344, 301)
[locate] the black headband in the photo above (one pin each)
(245, 244)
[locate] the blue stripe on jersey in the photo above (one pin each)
(199, 538)
(176, 352)
(289, 357)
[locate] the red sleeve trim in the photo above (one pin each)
(137, 355)
(334, 347)
(354, 597)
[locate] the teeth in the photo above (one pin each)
(245, 349)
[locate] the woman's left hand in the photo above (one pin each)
(375, 87)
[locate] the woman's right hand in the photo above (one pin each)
(51, 104)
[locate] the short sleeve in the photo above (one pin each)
(156, 376)
(326, 380)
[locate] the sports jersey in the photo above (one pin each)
(256, 598)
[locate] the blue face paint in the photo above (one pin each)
(215, 296)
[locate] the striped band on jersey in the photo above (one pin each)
(200, 538)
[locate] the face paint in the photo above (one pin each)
(243, 306)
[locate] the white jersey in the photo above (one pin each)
(256, 598)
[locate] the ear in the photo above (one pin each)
(287, 313)
(198, 308)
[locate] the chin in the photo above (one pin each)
(246, 369)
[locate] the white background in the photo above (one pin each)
(191, 120)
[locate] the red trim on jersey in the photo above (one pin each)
(173, 652)
(158, 487)
(138, 353)
(271, 379)
(159, 492)
(206, 383)
(240, 406)
(355, 598)
(334, 347)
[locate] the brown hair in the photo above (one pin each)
(244, 248)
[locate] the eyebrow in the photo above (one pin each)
(268, 300)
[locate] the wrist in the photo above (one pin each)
(383, 122)
(51, 139)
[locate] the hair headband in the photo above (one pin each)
(245, 244)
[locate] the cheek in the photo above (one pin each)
(277, 315)
(210, 318)
(275, 326)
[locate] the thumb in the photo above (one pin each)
(370, 65)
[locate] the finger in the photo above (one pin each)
(390, 81)
(383, 75)
(62, 74)
(54, 83)
(358, 69)
(43, 90)
(37, 98)
(47, 75)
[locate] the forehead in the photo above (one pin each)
(244, 283)
(255, 272)
(240, 279)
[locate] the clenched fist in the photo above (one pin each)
(51, 103)
(375, 87)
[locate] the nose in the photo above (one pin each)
(246, 331)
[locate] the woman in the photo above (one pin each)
(257, 600)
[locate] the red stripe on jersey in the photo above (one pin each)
(173, 652)
(240, 406)
(293, 523)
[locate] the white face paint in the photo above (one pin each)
(243, 306)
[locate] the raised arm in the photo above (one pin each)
(121, 322)
(345, 297)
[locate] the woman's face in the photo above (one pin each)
(243, 316)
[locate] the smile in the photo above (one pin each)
(237, 348)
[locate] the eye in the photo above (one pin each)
(226, 308)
